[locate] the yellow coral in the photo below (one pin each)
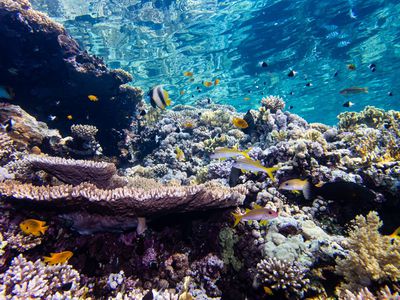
(372, 257)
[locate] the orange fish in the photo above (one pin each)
(268, 291)
(188, 74)
(58, 258)
(93, 98)
(351, 67)
(207, 83)
(246, 98)
(217, 81)
(240, 123)
(33, 227)
(69, 117)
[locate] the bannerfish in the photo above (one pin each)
(258, 213)
(348, 104)
(240, 123)
(223, 153)
(292, 73)
(33, 227)
(159, 97)
(58, 258)
(342, 191)
(354, 90)
(246, 164)
(6, 93)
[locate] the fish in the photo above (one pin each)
(217, 81)
(348, 104)
(292, 73)
(240, 123)
(207, 83)
(69, 117)
(58, 258)
(159, 97)
(6, 93)
(351, 67)
(341, 191)
(354, 90)
(180, 155)
(52, 118)
(246, 98)
(372, 67)
(390, 94)
(268, 291)
(223, 153)
(188, 74)
(33, 227)
(8, 125)
(264, 64)
(293, 185)
(395, 234)
(247, 164)
(93, 98)
(309, 84)
(258, 213)
(182, 92)
(336, 74)
(290, 106)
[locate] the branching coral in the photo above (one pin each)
(84, 132)
(6, 146)
(273, 103)
(127, 201)
(372, 257)
(75, 171)
(34, 280)
(283, 275)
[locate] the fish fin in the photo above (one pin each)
(395, 234)
(257, 206)
(269, 172)
(247, 210)
(238, 218)
(168, 102)
(309, 190)
(263, 222)
(43, 229)
(47, 258)
(250, 222)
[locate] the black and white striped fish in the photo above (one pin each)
(159, 97)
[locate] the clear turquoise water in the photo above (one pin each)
(156, 41)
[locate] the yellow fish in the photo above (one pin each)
(180, 155)
(69, 117)
(258, 213)
(58, 258)
(217, 81)
(93, 98)
(395, 234)
(246, 98)
(240, 123)
(207, 83)
(268, 291)
(188, 74)
(33, 227)
(254, 166)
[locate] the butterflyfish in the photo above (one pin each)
(159, 97)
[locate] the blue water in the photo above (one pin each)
(156, 41)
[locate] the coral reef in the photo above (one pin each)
(64, 74)
(371, 257)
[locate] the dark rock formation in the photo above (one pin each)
(51, 75)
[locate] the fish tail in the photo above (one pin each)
(269, 172)
(366, 90)
(43, 229)
(309, 190)
(47, 259)
(395, 234)
(238, 218)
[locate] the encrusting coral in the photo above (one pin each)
(371, 258)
